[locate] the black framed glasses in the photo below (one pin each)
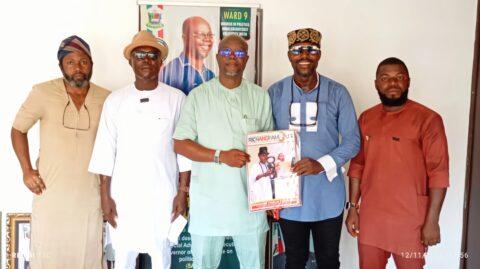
(73, 119)
(298, 49)
(293, 119)
(226, 52)
(141, 55)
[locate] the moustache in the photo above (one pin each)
(305, 61)
(80, 74)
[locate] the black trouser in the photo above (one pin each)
(326, 240)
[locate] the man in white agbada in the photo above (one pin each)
(260, 178)
(134, 156)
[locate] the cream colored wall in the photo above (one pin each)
(434, 37)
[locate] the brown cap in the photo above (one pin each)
(146, 39)
(304, 35)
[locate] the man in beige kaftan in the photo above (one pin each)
(66, 226)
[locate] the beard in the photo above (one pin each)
(233, 71)
(79, 82)
(386, 101)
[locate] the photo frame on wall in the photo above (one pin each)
(18, 241)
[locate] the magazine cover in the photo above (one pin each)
(271, 184)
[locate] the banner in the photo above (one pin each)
(192, 34)
(182, 255)
(235, 21)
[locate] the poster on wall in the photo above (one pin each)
(193, 33)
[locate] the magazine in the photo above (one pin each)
(270, 182)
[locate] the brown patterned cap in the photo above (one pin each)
(73, 44)
(304, 35)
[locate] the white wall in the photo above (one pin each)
(434, 37)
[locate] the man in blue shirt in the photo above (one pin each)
(188, 70)
(321, 110)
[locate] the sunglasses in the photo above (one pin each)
(297, 50)
(226, 52)
(296, 122)
(75, 119)
(141, 55)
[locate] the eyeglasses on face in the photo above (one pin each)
(141, 55)
(226, 52)
(311, 49)
(72, 120)
(203, 35)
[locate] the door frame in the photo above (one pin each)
(471, 214)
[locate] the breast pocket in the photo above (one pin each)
(157, 132)
(160, 124)
(406, 144)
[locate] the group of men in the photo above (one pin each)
(154, 146)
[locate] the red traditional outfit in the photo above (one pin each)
(403, 154)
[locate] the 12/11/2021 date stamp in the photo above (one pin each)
(413, 255)
(422, 255)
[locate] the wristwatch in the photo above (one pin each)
(216, 157)
(349, 205)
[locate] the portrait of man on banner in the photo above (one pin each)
(193, 34)
(188, 70)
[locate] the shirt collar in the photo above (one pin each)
(184, 61)
(300, 90)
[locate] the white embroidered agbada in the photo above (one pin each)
(259, 189)
(134, 145)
